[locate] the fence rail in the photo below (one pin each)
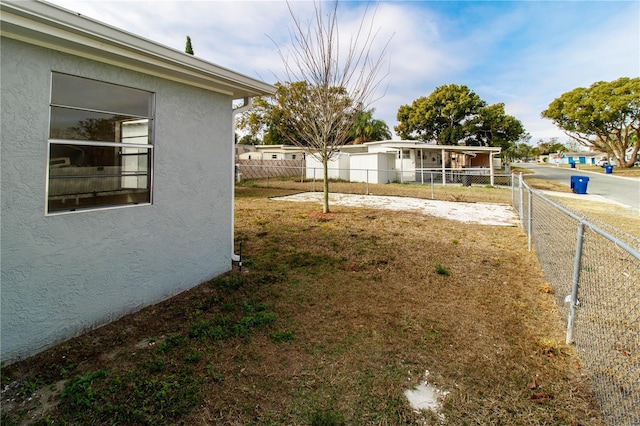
(595, 276)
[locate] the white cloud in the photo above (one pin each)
(523, 54)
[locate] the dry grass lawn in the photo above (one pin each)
(331, 319)
(611, 215)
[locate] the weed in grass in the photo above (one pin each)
(29, 387)
(193, 358)
(156, 365)
(207, 330)
(80, 393)
(441, 270)
(175, 340)
(7, 420)
(208, 303)
(247, 323)
(134, 398)
(229, 282)
(214, 374)
(326, 418)
(283, 336)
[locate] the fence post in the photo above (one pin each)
(314, 180)
(574, 283)
(521, 205)
(367, 192)
(432, 194)
(513, 189)
(529, 220)
(267, 176)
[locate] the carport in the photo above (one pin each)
(428, 158)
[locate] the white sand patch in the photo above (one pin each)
(475, 213)
(425, 397)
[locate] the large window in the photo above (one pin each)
(100, 144)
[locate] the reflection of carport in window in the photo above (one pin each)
(100, 148)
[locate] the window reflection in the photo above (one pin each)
(69, 90)
(111, 162)
(83, 125)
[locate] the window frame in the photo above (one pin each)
(149, 147)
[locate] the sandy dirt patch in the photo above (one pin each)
(475, 213)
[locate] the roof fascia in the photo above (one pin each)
(56, 28)
(450, 148)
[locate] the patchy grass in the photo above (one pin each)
(331, 319)
(548, 185)
(612, 215)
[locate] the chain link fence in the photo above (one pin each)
(267, 170)
(595, 275)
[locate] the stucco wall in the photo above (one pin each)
(65, 274)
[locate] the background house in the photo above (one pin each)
(273, 152)
(581, 157)
(405, 161)
(117, 173)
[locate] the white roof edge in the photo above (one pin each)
(51, 26)
(398, 143)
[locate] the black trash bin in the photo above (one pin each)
(466, 180)
(573, 165)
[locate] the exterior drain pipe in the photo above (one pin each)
(235, 111)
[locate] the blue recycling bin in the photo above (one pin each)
(579, 184)
(573, 182)
(573, 165)
(608, 169)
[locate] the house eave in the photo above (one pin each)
(400, 144)
(50, 26)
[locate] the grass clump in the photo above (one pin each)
(441, 270)
(283, 336)
(326, 418)
(80, 393)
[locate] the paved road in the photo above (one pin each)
(614, 188)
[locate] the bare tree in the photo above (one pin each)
(341, 81)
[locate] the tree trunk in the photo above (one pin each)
(325, 186)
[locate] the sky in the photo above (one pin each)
(523, 54)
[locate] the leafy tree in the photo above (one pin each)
(493, 127)
(453, 115)
(366, 128)
(520, 150)
(268, 115)
(547, 147)
(605, 117)
(340, 81)
(188, 48)
(247, 140)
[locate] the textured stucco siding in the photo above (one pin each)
(64, 274)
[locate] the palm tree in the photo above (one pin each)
(366, 128)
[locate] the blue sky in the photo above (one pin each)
(523, 54)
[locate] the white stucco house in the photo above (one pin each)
(580, 157)
(273, 152)
(116, 173)
(406, 161)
